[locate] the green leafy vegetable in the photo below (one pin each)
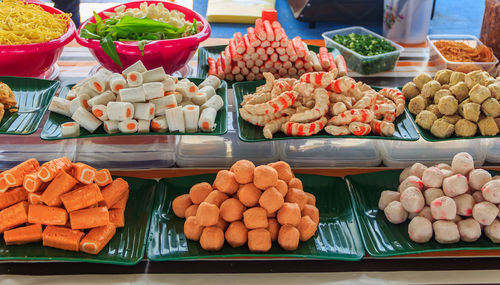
(367, 45)
(108, 46)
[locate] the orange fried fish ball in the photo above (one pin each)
(212, 238)
(273, 228)
(192, 229)
(249, 195)
(265, 176)
(232, 210)
(199, 192)
(207, 214)
(295, 183)
(307, 228)
(282, 187)
(225, 182)
(221, 224)
(271, 200)
(255, 218)
(312, 212)
(243, 171)
(289, 214)
(236, 234)
(191, 211)
(259, 240)
(298, 196)
(180, 204)
(311, 199)
(216, 197)
(288, 237)
(271, 215)
(284, 170)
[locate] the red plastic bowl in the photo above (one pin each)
(33, 60)
(171, 54)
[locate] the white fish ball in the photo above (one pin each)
(446, 232)
(426, 213)
(443, 208)
(420, 230)
(431, 194)
(491, 191)
(485, 212)
(469, 230)
(417, 169)
(465, 203)
(493, 231)
(386, 197)
(478, 177)
(404, 174)
(462, 163)
(455, 185)
(395, 213)
(412, 200)
(411, 181)
(432, 177)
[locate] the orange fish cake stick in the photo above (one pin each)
(103, 177)
(122, 203)
(117, 217)
(45, 215)
(13, 216)
(50, 169)
(61, 184)
(35, 199)
(89, 218)
(82, 197)
(114, 192)
(12, 197)
(23, 235)
(84, 173)
(15, 176)
(97, 239)
(62, 238)
(32, 183)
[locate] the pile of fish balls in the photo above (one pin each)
(451, 203)
(249, 205)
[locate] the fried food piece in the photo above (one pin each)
(226, 182)
(453, 119)
(207, 214)
(180, 204)
(236, 234)
(284, 170)
(255, 218)
(231, 210)
(425, 119)
(311, 199)
(435, 110)
(448, 105)
(282, 187)
(297, 196)
(460, 91)
(465, 128)
(471, 111)
(457, 77)
(243, 171)
(271, 200)
(443, 76)
(295, 183)
(216, 197)
(265, 176)
(259, 240)
(273, 228)
(442, 129)
(430, 88)
(192, 229)
(249, 195)
(288, 237)
(488, 127)
(307, 228)
(191, 211)
(491, 107)
(212, 238)
(440, 94)
(417, 104)
(7, 98)
(410, 90)
(221, 224)
(289, 214)
(479, 93)
(312, 212)
(199, 192)
(421, 79)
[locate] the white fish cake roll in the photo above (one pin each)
(207, 120)
(395, 213)
(185, 103)
(426, 213)
(209, 90)
(478, 177)
(159, 124)
(386, 197)
(86, 119)
(70, 129)
(493, 231)
(154, 75)
(485, 212)
(86, 89)
(102, 99)
(168, 84)
(120, 111)
(200, 98)
(60, 106)
(469, 229)
(134, 79)
(104, 73)
(178, 96)
(175, 119)
(478, 196)
(215, 102)
(138, 67)
(446, 232)
(144, 111)
(80, 101)
(143, 126)
(412, 200)
(444, 166)
(211, 80)
(417, 169)
(164, 103)
(491, 191)
(443, 208)
(404, 174)
(133, 95)
(411, 181)
(117, 82)
(431, 194)
(455, 185)
(432, 177)
(191, 115)
(100, 112)
(153, 90)
(98, 83)
(465, 203)
(420, 230)
(111, 127)
(187, 89)
(128, 126)
(462, 163)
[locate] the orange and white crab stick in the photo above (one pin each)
(239, 42)
(114, 192)
(62, 238)
(298, 44)
(154, 75)
(45, 215)
(12, 197)
(103, 177)
(61, 184)
(15, 176)
(323, 57)
(252, 37)
(89, 218)
(212, 66)
(84, 173)
(23, 235)
(122, 203)
(259, 30)
(331, 59)
(13, 216)
(269, 30)
(50, 169)
(35, 199)
(82, 197)
(117, 217)
(97, 238)
(341, 65)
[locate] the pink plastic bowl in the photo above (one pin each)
(33, 60)
(171, 54)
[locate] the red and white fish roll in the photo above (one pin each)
(249, 64)
(235, 70)
(209, 90)
(341, 85)
(259, 62)
(396, 96)
(353, 115)
(274, 57)
(159, 124)
(281, 51)
(215, 102)
(220, 68)
(102, 99)
(117, 82)
(278, 34)
(284, 58)
(366, 101)
(235, 56)
(60, 106)
(254, 56)
(241, 64)
(120, 111)
(303, 129)
(134, 79)
(265, 44)
(153, 90)
(323, 58)
(164, 103)
(111, 127)
(189, 89)
(269, 50)
(225, 60)
(274, 23)
(254, 41)
(212, 66)
(229, 77)
(292, 71)
(245, 71)
(382, 128)
(338, 130)
(135, 95)
(80, 101)
(275, 44)
(268, 64)
(200, 98)
(168, 84)
(191, 116)
(315, 61)
(250, 76)
(301, 71)
(154, 75)
(287, 64)
(255, 70)
(249, 48)
(308, 65)
(260, 50)
(259, 76)
(128, 126)
(284, 42)
(359, 129)
(277, 65)
(318, 79)
(143, 126)
(239, 42)
(70, 129)
(298, 44)
(175, 120)
(332, 64)
(279, 103)
(206, 122)
(100, 112)
(281, 72)
(259, 30)
(269, 31)
(264, 57)
(138, 67)
(86, 119)
(144, 111)
(341, 65)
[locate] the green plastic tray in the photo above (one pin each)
(33, 97)
(52, 128)
(382, 238)
(214, 52)
(127, 246)
(337, 236)
(404, 129)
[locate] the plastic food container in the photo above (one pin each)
(438, 60)
(223, 151)
(360, 63)
(330, 153)
(172, 54)
(33, 60)
(402, 154)
(493, 151)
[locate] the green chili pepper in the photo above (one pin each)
(108, 46)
